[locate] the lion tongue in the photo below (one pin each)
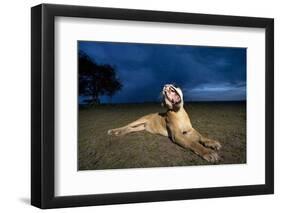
(175, 98)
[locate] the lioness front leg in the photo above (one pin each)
(213, 144)
(191, 141)
(210, 143)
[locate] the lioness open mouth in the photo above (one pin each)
(172, 95)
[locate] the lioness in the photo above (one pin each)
(175, 124)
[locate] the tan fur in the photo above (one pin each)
(176, 125)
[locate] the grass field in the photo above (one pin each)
(223, 121)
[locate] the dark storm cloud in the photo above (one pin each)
(203, 73)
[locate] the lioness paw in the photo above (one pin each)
(212, 144)
(115, 132)
(109, 132)
(211, 156)
(215, 145)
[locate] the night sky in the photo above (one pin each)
(203, 73)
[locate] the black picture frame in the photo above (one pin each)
(43, 117)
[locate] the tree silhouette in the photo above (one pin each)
(96, 79)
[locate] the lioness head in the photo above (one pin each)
(172, 97)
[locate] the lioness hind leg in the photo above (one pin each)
(135, 126)
(125, 130)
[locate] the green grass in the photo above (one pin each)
(225, 122)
